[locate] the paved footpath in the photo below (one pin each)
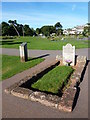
(14, 107)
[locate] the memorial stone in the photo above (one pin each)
(23, 52)
(69, 54)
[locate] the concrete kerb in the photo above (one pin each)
(65, 103)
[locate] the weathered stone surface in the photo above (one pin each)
(75, 78)
(73, 82)
(23, 52)
(21, 92)
(69, 54)
(59, 57)
(40, 95)
(42, 98)
(66, 102)
(53, 98)
(12, 87)
(81, 59)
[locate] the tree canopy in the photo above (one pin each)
(12, 28)
(47, 30)
(58, 25)
(86, 31)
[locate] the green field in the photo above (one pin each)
(11, 65)
(53, 80)
(43, 43)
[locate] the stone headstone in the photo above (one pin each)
(69, 54)
(23, 52)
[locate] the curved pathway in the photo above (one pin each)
(14, 107)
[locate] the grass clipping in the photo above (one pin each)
(54, 80)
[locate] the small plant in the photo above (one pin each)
(68, 62)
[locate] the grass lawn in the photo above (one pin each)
(43, 43)
(53, 80)
(11, 65)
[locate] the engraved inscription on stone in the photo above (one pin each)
(69, 54)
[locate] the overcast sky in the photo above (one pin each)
(37, 14)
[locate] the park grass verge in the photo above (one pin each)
(37, 43)
(11, 65)
(54, 80)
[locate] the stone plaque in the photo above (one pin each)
(23, 52)
(69, 54)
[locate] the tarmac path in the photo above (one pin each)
(14, 107)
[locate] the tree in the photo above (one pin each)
(52, 30)
(20, 28)
(28, 31)
(88, 24)
(34, 32)
(47, 30)
(14, 23)
(86, 31)
(0, 30)
(59, 32)
(13, 28)
(58, 25)
(5, 28)
(38, 31)
(11, 31)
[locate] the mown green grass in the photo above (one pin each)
(53, 80)
(11, 65)
(43, 43)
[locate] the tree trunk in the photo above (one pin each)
(23, 31)
(16, 30)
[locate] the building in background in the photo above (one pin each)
(76, 30)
